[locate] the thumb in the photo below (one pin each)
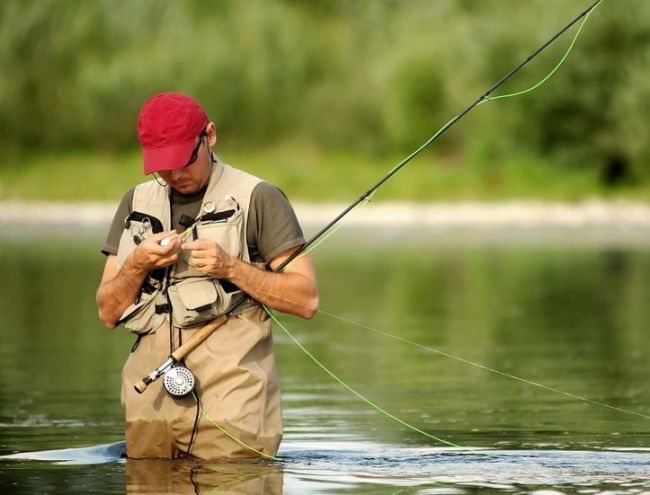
(190, 245)
(162, 235)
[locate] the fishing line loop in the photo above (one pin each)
(550, 74)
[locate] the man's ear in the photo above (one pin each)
(211, 130)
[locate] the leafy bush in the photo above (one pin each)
(376, 76)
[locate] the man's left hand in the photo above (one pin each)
(208, 257)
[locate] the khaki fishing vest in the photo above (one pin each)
(234, 368)
(190, 295)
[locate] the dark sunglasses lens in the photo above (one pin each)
(195, 151)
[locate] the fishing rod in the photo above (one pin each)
(179, 381)
(484, 97)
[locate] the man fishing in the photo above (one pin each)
(180, 252)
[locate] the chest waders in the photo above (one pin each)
(234, 367)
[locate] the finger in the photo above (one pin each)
(199, 254)
(194, 261)
(168, 240)
(172, 244)
(191, 245)
(166, 261)
(198, 244)
(196, 265)
(156, 250)
(161, 235)
(165, 243)
(156, 239)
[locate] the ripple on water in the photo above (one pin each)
(497, 469)
(317, 466)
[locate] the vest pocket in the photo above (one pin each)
(197, 300)
(137, 227)
(142, 318)
(228, 233)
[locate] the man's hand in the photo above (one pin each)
(150, 254)
(121, 284)
(292, 291)
(209, 258)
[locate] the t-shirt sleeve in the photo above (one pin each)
(117, 225)
(272, 224)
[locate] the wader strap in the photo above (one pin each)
(136, 343)
(163, 308)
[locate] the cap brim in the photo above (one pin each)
(167, 158)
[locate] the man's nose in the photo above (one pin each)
(175, 174)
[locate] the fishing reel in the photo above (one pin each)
(178, 382)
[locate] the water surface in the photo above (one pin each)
(566, 309)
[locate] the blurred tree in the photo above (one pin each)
(377, 76)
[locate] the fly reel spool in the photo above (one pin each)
(178, 382)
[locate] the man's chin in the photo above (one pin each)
(185, 188)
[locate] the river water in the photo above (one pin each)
(508, 346)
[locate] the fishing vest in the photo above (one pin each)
(190, 296)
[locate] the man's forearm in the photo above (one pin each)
(290, 292)
(120, 285)
(118, 293)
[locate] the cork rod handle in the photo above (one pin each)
(198, 338)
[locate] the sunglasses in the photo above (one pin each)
(195, 151)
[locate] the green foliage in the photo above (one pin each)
(592, 114)
(374, 77)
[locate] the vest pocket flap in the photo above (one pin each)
(197, 300)
(197, 295)
(141, 317)
(144, 301)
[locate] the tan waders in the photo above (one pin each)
(237, 387)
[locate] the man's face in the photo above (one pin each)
(196, 173)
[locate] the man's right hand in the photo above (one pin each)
(150, 254)
(120, 285)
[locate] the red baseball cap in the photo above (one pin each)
(168, 126)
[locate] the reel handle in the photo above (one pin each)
(180, 353)
(141, 386)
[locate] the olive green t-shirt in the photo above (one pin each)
(272, 226)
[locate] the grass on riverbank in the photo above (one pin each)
(308, 174)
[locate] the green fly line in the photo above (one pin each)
(548, 76)
(353, 391)
(366, 199)
(488, 98)
(214, 423)
(484, 367)
(435, 351)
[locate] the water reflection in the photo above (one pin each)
(158, 477)
(340, 467)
